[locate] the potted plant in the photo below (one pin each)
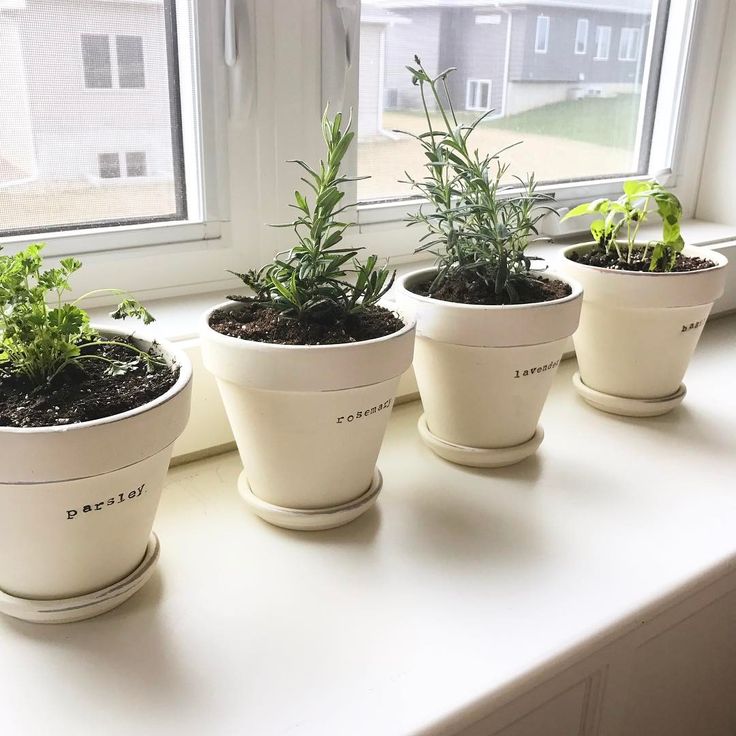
(645, 303)
(87, 421)
(309, 364)
(490, 328)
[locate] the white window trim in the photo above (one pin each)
(538, 49)
(635, 33)
(582, 23)
(471, 104)
(598, 36)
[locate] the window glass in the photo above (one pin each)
(581, 36)
(109, 165)
(602, 42)
(542, 39)
(130, 62)
(68, 115)
(135, 163)
(628, 49)
(96, 61)
(578, 116)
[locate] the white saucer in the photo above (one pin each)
(626, 407)
(311, 519)
(78, 608)
(480, 457)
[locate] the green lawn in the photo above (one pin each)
(604, 121)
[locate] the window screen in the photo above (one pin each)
(90, 131)
(580, 112)
(96, 61)
(109, 164)
(130, 62)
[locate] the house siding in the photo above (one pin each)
(478, 51)
(561, 63)
(421, 35)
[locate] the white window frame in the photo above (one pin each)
(473, 104)
(543, 21)
(633, 36)
(582, 28)
(599, 36)
(164, 259)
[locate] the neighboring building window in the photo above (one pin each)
(602, 42)
(96, 61)
(541, 41)
(478, 94)
(131, 74)
(628, 47)
(581, 36)
(109, 165)
(135, 163)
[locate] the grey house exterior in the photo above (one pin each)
(85, 97)
(512, 56)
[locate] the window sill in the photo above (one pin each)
(462, 593)
(208, 431)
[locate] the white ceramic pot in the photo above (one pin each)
(638, 330)
(484, 371)
(308, 421)
(77, 504)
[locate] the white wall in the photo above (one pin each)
(716, 201)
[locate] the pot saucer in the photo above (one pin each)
(626, 407)
(480, 457)
(310, 519)
(78, 608)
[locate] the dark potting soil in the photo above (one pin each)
(466, 290)
(600, 258)
(85, 392)
(252, 320)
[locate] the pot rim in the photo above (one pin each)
(409, 325)
(576, 292)
(175, 354)
(720, 262)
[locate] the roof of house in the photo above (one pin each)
(638, 7)
(376, 14)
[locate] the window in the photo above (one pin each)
(602, 42)
(478, 94)
(135, 163)
(96, 61)
(200, 113)
(628, 47)
(581, 36)
(575, 123)
(541, 40)
(130, 62)
(68, 145)
(109, 165)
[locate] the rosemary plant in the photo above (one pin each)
(617, 228)
(40, 334)
(318, 281)
(477, 227)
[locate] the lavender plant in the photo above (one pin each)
(477, 226)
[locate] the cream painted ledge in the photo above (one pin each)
(208, 431)
(589, 590)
